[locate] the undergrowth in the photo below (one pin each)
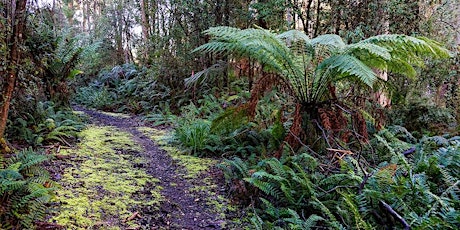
(124, 88)
(25, 190)
(299, 192)
(44, 124)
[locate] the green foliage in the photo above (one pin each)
(423, 174)
(422, 118)
(62, 67)
(43, 124)
(296, 192)
(309, 66)
(193, 134)
(311, 72)
(125, 88)
(25, 189)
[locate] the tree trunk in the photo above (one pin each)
(145, 22)
(381, 96)
(118, 23)
(17, 20)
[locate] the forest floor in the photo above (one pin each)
(124, 175)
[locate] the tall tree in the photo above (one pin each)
(12, 24)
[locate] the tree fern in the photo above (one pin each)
(311, 68)
(387, 52)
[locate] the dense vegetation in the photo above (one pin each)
(322, 113)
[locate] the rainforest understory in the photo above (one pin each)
(229, 114)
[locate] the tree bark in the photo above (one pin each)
(17, 21)
(145, 21)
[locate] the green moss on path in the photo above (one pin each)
(125, 176)
(197, 174)
(102, 188)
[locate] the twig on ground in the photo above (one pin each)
(395, 215)
(134, 215)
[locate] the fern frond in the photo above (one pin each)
(29, 159)
(203, 75)
(332, 40)
(360, 223)
(230, 120)
(266, 187)
(374, 50)
(278, 168)
(269, 208)
(411, 45)
(347, 66)
(257, 222)
(340, 179)
(321, 207)
(240, 166)
(407, 51)
(10, 185)
(294, 35)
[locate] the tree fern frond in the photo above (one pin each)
(217, 47)
(400, 66)
(436, 48)
(331, 40)
(202, 76)
(294, 35)
(221, 31)
(299, 42)
(376, 51)
(410, 45)
(346, 66)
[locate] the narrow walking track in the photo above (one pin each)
(151, 189)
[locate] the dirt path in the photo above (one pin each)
(127, 181)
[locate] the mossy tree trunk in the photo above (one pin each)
(14, 15)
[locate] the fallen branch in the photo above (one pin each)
(395, 215)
